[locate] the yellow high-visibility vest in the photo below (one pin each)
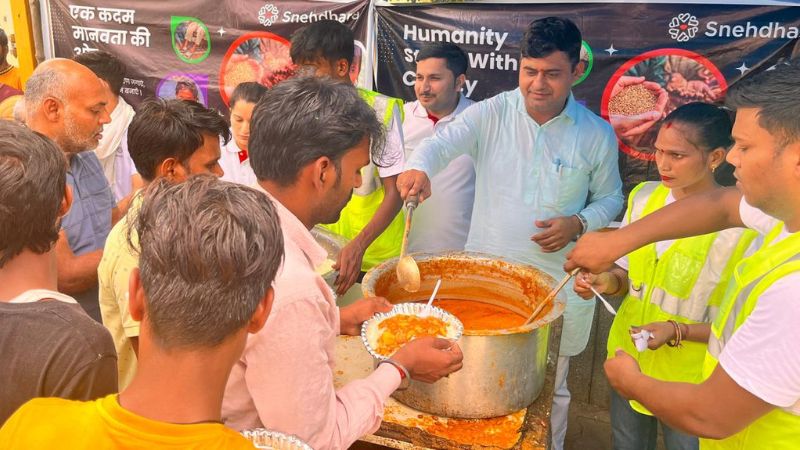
(686, 284)
(368, 198)
(780, 428)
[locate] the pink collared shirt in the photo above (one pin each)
(284, 379)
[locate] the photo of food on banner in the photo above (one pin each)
(191, 39)
(653, 88)
(261, 59)
(264, 58)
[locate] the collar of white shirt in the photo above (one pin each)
(570, 111)
(419, 111)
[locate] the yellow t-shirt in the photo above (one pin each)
(49, 423)
(11, 77)
(113, 274)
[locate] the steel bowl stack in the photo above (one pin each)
(333, 244)
(262, 438)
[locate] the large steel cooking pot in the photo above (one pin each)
(504, 370)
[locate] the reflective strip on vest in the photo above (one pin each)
(368, 197)
(682, 285)
(780, 428)
(687, 281)
(383, 107)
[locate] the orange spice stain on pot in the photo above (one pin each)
(501, 432)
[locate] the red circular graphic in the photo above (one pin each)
(262, 57)
(705, 71)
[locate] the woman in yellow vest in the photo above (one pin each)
(670, 282)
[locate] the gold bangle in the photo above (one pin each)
(619, 283)
(678, 335)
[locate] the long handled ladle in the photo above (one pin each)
(551, 296)
(407, 269)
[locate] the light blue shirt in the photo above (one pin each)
(527, 172)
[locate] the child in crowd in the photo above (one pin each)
(234, 159)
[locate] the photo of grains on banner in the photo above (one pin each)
(648, 87)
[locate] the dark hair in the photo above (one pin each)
(708, 128)
(303, 119)
(551, 34)
(249, 91)
(710, 124)
(164, 129)
(326, 39)
(186, 84)
(775, 93)
(106, 66)
(453, 55)
(209, 251)
(33, 179)
(3, 38)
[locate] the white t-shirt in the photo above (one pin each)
(34, 295)
(234, 170)
(394, 146)
(762, 356)
(661, 246)
(393, 157)
(441, 223)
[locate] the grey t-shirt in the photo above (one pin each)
(52, 349)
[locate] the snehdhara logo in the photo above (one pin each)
(685, 27)
(269, 15)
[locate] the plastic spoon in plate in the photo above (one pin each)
(426, 312)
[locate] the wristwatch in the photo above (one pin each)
(405, 378)
(584, 224)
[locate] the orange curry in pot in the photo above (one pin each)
(481, 316)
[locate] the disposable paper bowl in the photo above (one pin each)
(370, 332)
(262, 438)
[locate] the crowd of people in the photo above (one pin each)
(158, 276)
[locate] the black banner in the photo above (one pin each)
(200, 48)
(691, 51)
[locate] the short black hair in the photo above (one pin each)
(326, 39)
(303, 119)
(775, 94)
(551, 34)
(3, 38)
(453, 55)
(33, 180)
(249, 91)
(173, 128)
(209, 251)
(106, 66)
